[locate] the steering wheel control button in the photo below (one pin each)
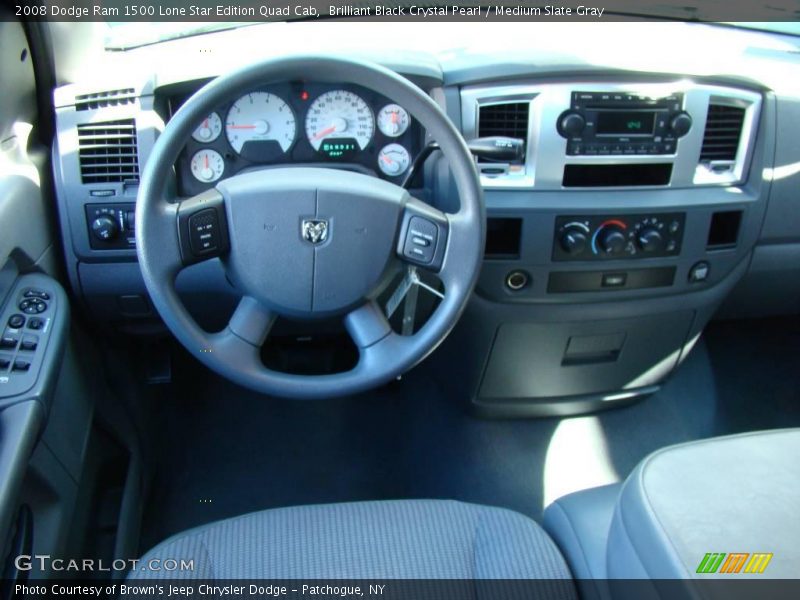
(204, 232)
(29, 343)
(33, 306)
(35, 323)
(16, 321)
(420, 242)
(699, 272)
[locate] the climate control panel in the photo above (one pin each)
(608, 237)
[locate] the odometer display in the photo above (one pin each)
(339, 118)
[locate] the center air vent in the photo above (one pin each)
(509, 119)
(108, 153)
(103, 99)
(723, 130)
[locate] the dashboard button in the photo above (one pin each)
(35, 323)
(614, 279)
(21, 365)
(4, 362)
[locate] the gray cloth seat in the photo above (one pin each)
(400, 539)
(705, 510)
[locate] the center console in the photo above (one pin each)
(612, 242)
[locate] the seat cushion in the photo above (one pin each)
(737, 495)
(579, 525)
(420, 539)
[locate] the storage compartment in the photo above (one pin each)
(617, 175)
(724, 230)
(503, 237)
(534, 362)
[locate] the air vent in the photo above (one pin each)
(107, 152)
(508, 119)
(723, 130)
(103, 99)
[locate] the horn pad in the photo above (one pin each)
(311, 249)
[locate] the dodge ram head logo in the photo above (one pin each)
(314, 230)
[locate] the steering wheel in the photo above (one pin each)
(308, 243)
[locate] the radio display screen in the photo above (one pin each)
(625, 122)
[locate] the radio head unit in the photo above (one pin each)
(599, 123)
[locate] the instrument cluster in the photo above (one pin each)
(299, 123)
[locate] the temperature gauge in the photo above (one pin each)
(393, 120)
(393, 160)
(209, 129)
(207, 165)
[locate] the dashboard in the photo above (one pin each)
(653, 191)
(295, 123)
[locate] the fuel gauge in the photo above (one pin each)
(207, 165)
(393, 160)
(209, 129)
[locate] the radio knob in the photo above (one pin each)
(571, 124)
(680, 124)
(573, 241)
(105, 228)
(650, 240)
(611, 240)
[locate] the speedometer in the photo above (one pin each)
(260, 126)
(338, 123)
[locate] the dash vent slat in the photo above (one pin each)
(723, 132)
(108, 153)
(104, 99)
(509, 119)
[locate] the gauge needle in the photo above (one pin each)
(241, 126)
(206, 161)
(386, 159)
(325, 132)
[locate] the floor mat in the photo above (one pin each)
(224, 451)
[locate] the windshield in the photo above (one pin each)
(126, 35)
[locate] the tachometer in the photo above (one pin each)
(338, 123)
(393, 120)
(209, 129)
(207, 165)
(260, 126)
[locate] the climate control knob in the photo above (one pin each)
(611, 240)
(680, 124)
(105, 228)
(650, 240)
(571, 124)
(573, 241)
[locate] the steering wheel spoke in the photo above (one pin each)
(251, 321)
(202, 227)
(367, 325)
(424, 231)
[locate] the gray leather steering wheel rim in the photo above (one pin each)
(235, 352)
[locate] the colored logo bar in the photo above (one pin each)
(734, 562)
